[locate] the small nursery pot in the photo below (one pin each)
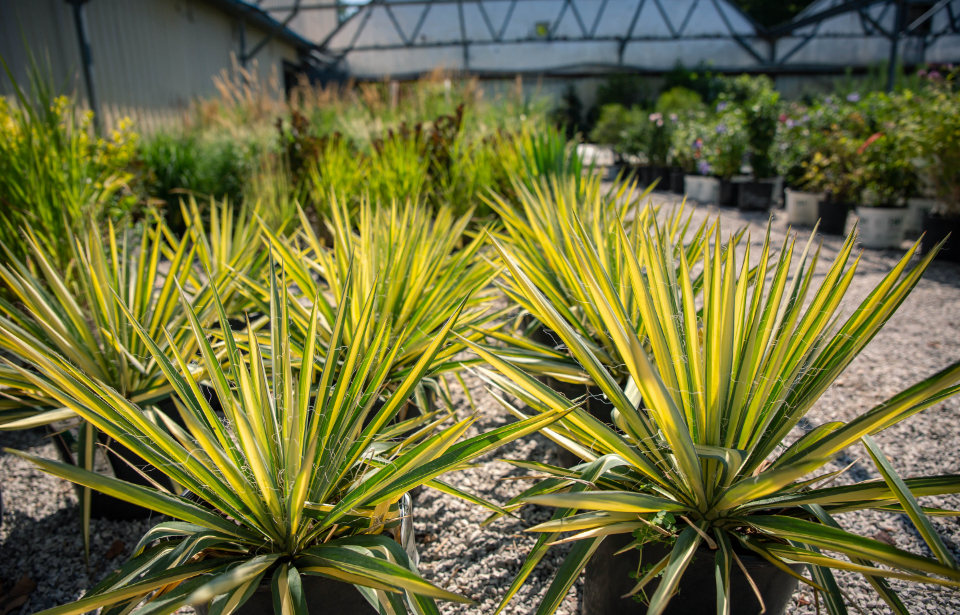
(755, 196)
(676, 181)
(645, 175)
(881, 227)
(833, 216)
(124, 465)
(662, 176)
(803, 207)
(607, 579)
(729, 191)
(596, 404)
(702, 189)
(323, 595)
(917, 208)
(935, 229)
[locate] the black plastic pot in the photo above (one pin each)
(755, 196)
(126, 466)
(833, 216)
(728, 193)
(596, 404)
(644, 175)
(676, 181)
(607, 579)
(323, 595)
(120, 458)
(662, 177)
(935, 229)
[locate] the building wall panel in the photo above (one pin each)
(148, 55)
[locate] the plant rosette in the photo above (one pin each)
(288, 482)
(722, 387)
(78, 321)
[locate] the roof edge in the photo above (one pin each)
(258, 16)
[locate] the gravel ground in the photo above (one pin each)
(40, 533)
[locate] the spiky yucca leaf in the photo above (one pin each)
(295, 478)
(410, 257)
(723, 385)
(537, 230)
(228, 243)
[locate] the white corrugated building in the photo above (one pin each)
(150, 58)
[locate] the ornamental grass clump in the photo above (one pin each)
(722, 384)
(54, 174)
(292, 479)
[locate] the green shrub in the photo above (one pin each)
(679, 100)
(934, 124)
(609, 129)
(187, 162)
(761, 109)
(54, 173)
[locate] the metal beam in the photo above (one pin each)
(919, 20)
(898, 19)
(840, 9)
(280, 27)
(86, 58)
(588, 30)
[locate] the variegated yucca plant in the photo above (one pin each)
(78, 321)
(537, 232)
(412, 257)
(721, 384)
(299, 476)
(228, 242)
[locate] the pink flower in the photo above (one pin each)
(783, 117)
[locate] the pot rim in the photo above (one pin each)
(882, 207)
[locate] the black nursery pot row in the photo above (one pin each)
(936, 229)
(748, 196)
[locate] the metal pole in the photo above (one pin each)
(243, 42)
(894, 43)
(80, 21)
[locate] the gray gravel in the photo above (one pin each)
(40, 533)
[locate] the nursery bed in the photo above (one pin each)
(40, 536)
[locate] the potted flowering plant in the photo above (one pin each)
(726, 146)
(761, 114)
(885, 171)
(688, 149)
(797, 141)
(833, 169)
(649, 136)
(937, 126)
